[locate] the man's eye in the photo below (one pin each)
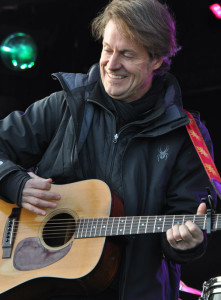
(107, 50)
(127, 56)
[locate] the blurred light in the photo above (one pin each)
(19, 51)
(216, 9)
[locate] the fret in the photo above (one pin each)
(151, 224)
(93, 231)
(200, 220)
(159, 224)
(91, 227)
(146, 224)
(107, 226)
(131, 225)
(135, 225)
(216, 224)
(107, 223)
(183, 220)
(103, 227)
(82, 228)
(204, 223)
(86, 224)
(128, 225)
(138, 227)
(121, 226)
(77, 231)
(142, 224)
(125, 223)
(179, 220)
(163, 227)
(117, 233)
(114, 226)
(168, 222)
(194, 218)
(154, 224)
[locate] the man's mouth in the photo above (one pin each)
(116, 76)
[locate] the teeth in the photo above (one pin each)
(115, 76)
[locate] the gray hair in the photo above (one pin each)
(148, 22)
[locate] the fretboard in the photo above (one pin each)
(114, 226)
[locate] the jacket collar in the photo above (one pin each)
(167, 111)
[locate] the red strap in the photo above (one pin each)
(202, 149)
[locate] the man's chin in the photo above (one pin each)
(118, 95)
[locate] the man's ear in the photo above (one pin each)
(157, 62)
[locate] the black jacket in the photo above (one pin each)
(150, 164)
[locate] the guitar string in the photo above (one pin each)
(121, 220)
(107, 222)
(84, 230)
(151, 218)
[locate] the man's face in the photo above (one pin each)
(126, 68)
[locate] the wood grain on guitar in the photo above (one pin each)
(49, 254)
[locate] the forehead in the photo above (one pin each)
(120, 40)
(113, 35)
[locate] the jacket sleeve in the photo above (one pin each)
(25, 136)
(187, 187)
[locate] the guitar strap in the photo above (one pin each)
(204, 154)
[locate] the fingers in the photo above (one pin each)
(201, 209)
(185, 236)
(33, 208)
(39, 182)
(39, 192)
(36, 195)
(188, 235)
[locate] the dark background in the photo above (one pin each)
(61, 29)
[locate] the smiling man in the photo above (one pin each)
(125, 66)
(122, 123)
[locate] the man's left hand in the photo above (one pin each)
(188, 235)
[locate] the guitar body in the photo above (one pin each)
(46, 266)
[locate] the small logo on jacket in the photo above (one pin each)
(163, 153)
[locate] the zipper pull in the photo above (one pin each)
(115, 138)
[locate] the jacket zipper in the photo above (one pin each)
(116, 135)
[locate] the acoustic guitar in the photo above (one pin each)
(73, 249)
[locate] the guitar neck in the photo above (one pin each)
(114, 226)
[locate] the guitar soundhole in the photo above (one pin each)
(59, 230)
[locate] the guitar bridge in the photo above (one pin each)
(10, 233)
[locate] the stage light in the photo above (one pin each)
(216, 9)
(18, 51)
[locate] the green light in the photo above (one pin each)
(19, 51)
(14, 62)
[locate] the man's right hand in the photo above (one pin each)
(36, 195)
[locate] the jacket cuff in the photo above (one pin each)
(183, 256)
(11, 186)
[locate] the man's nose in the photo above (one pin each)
(114, 62)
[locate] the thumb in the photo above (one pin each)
(201, 209)
(34, 176)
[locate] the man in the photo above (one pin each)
(122, 123)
